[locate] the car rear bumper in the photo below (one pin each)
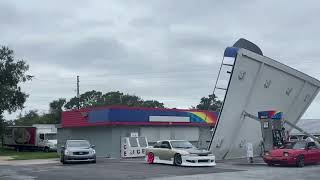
(280, 160)
(198, 160)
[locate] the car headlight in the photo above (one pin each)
(267, 153)
(286, 154)
(92, 151)
(66, 152)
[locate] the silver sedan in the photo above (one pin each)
(77, 150)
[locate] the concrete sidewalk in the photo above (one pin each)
(5, 161)
(5, 158)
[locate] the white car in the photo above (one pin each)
(179, 153)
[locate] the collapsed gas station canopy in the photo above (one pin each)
(258, 83)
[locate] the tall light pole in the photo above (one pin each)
(78, 92)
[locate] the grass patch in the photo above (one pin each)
(25, 155)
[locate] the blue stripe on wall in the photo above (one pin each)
(99, 116)
(124, 115)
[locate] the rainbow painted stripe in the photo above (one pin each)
(203, 117)
(270, 115)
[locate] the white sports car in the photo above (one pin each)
(179, 153)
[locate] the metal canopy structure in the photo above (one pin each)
(257, 83)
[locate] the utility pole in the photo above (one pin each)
(78, 94)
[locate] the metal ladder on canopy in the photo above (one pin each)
(224, 74)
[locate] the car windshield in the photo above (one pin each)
(51, 136)
(82, 144)
(296, 145)
(181, 144)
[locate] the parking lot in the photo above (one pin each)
(138, 169)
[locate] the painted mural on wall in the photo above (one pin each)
(20, 136)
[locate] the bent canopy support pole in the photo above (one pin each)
(245, 114)
(301, 130)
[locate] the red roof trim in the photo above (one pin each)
(136, 123)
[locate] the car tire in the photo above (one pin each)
(63, 160)
(270, 164)
(150, 158)
(46, 149)
(300, 161)
(94, 161)
(177, 160)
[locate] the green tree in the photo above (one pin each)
(12, 74)
(33, 117)
(152, 104)
(209, 103)
(96, 98)
(131, 100)
(55, 109)
(87, 99)
(29, 118)
(112, 98)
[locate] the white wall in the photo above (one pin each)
(154, 134)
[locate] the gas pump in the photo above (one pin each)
(273, 131)
(272, 128)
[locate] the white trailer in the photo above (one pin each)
(37, 136)
(257, 83)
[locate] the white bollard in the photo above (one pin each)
(250, 152)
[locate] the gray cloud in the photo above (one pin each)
(164, 50)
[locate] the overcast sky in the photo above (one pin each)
(165, 50)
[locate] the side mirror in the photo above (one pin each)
(93, 146)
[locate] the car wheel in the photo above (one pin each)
(150, 158)
(270, 164)
(177, 160)
(46, 149)
(63, 161)
(300, 161)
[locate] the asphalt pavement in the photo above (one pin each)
(138, 169)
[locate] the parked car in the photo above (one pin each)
(179, 153)
(296, 153)
(77, 150)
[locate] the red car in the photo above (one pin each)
(296, 153)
